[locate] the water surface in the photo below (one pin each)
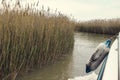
(71, 66)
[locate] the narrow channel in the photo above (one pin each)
(71, 66)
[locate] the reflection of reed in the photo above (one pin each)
(60, 70)
(91, 37)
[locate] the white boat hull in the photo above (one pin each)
(111, 68)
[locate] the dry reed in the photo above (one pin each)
(110, 26)
(31, 39)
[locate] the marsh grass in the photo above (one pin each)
(31, 39)
(110, 26)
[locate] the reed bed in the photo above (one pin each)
(110, 26)
(30, 39)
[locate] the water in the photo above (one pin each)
(92, 76)
(71, 66)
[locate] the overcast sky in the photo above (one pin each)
(84, 9)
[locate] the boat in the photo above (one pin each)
(110, 69)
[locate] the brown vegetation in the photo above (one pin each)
(31, 39)
(110, 26)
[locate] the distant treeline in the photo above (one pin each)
(30, 39)
(104, 26)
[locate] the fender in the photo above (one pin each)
(98, 56)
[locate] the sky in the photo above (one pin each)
(83, 9)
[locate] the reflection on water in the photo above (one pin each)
(71, 65)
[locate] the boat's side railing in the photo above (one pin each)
(119, 56)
